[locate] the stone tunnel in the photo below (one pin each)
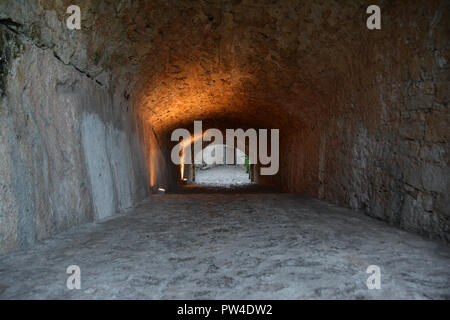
(86, 117)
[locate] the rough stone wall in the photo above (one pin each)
(391, 159)
(69, 152)
(157, 153)
(382, 147)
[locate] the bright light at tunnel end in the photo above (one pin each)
(257, 147)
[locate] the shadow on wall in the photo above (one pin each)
(63, 159)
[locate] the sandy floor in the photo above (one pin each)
(230, 246)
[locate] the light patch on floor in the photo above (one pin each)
(224, 175)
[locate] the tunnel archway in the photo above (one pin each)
(240, 148)
(209, 171)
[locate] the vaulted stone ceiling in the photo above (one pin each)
(271, 63)
(274, 63)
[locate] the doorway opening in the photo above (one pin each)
(222, 174)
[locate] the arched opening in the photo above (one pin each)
(226, 161)
(211, 172)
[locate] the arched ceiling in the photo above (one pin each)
(267, 63)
